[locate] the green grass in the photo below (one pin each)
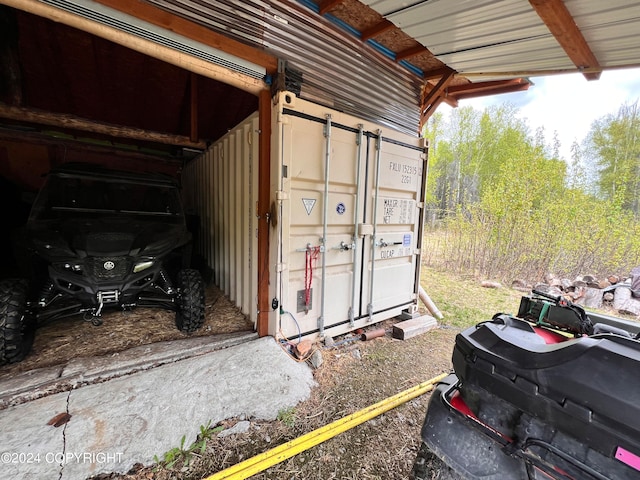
(463, 302)
(287, 416)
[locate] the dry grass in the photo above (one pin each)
(59, 341)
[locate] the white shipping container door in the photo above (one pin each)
(392, 216)
(349, 198)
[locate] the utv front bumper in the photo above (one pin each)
(89, 285)
(104, 274)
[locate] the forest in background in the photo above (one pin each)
(502, 204)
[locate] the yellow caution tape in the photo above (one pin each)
(287, 450)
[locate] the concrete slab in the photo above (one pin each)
(28, 446)
(85, 370)
(130, 419)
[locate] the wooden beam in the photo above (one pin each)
(487, 86)
(430, 110)
(375, 30)
(263, 210)
(437, 89)
(193, 97)
(437, 73)
(149, 13)
(432, 98)
(480, 90)
(40, 117)
(144, 46)
(57, 145)
(410, 52)
(561, 24)
(328, 5)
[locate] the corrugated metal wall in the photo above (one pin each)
(337, 69)
(221, 187)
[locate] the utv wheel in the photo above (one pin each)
(190, 313)
(16, 327)
(429, 467)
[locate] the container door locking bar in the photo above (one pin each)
(327, 161)
(356, 226)
(375, 224)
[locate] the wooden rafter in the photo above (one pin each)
(410, 52)
(328, 5)
(375, 30)
(561, 24)
(480, 89)
(436, 73)
(432, 97)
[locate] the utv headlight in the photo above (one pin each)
(140, 266)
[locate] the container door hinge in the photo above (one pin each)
(281, 195)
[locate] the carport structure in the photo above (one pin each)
(293, 124)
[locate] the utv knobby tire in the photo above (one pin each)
(429, 467)
(190, 312)
(16, 327)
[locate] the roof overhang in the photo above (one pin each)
(488, 47)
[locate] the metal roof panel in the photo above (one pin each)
(508, 35)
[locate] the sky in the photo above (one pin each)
(568, 103)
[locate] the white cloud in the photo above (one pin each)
(569, 104)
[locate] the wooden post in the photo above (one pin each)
(264, 175)
(193, 91)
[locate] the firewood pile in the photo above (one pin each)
(612, 292)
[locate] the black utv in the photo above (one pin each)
(551, 393)
(100, 239)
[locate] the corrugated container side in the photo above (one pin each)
(220, 187)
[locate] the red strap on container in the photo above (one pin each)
(311, 255)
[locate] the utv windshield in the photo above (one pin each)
(74, 196)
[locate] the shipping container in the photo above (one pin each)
(344, 223)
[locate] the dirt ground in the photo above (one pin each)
(353, 376)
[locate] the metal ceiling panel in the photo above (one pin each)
(386, 7)
(337, 69)
(610, 28)
(508, 35)
(512, 56)
(472, 35)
